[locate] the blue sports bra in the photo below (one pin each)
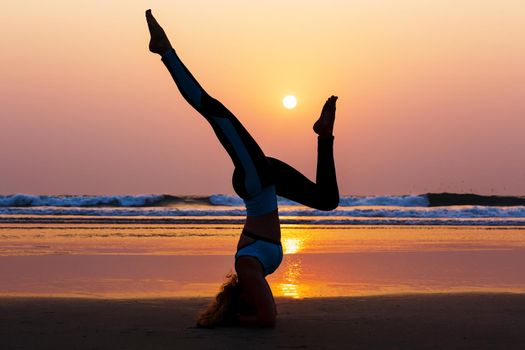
(269, 253)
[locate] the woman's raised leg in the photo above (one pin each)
(252, 169)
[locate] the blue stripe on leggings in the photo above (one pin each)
(188, 85)
(251, 179)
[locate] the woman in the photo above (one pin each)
(246, 298)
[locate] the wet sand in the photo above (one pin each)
(320, 261)
(419, 321)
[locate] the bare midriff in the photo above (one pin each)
(267, 226)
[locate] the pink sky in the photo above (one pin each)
(432, 94)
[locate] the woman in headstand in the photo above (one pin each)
(246, 298)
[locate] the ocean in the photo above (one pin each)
(140, 246)
(426, 209)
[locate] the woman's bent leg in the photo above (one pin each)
(291, 184)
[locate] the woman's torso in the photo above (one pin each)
(265, 226)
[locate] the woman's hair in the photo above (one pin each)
(221, 311)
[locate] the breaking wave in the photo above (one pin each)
(29, 200)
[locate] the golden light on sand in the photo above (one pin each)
(290, 102)
(292, 245)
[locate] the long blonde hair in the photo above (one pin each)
(221, 311)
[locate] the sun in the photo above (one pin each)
(290, 102)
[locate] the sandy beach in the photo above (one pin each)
(114, 286)
(433, 321)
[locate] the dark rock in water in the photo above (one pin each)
(448, 199)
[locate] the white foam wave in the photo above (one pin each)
(221, 199)
(398, 201)
(28, 200)
(463, 212)
(345, 201)
(285, 220)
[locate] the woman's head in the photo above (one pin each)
(223, 309)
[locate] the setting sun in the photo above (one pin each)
(290, 101)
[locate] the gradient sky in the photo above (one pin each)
(431, 93)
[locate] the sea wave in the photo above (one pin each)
(28, 200)
(326, 221)
(463, 212)
(145, 200)
(164, 200)
(398, 201)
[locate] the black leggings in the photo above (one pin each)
(256, 177)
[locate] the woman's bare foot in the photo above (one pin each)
(324, 126)
(159, 42)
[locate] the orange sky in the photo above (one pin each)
(431, 93)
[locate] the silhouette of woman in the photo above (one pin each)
(246, 298)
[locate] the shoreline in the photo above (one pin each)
(443, 320)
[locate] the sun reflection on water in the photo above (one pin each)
(290, 286)
(292, 245)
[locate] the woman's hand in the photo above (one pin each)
(159, 42)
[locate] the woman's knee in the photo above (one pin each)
(328, 201)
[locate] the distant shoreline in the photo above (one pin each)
(450, 199)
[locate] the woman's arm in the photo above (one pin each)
(258, 293)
